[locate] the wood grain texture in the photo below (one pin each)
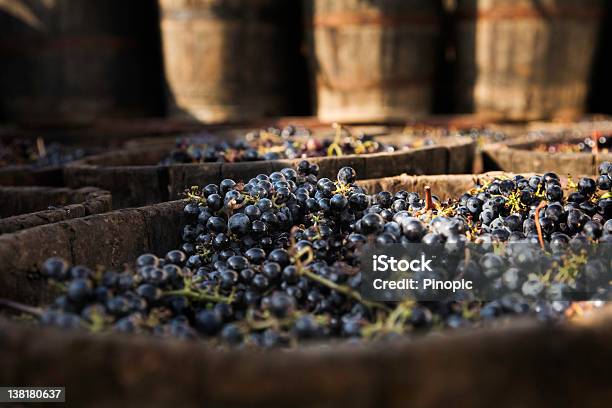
(225, 60)
(373, 60)
(525, 59)
(27, 207)
(516, 155)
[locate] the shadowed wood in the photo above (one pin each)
(30, 176)
(225, 60)
(27, 207)
(68, 62)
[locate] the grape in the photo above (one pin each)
(275, 144)
(276, 260)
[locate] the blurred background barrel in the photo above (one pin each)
(373, 60)
(227, 60)
(525, 59)
(599, 100)
(66, 62)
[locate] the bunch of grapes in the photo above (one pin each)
(596, 143)
(37, 154)
(276, 261)
(482, 135)
(275, 144)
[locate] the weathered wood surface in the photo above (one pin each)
(226, 60)
(110, 239)
(373, 60)
(516, 156)
(547, 366)
(27, 207)
(525, 59)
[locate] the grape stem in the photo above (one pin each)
(40, 147)
(34, 311)
(542, 204)
(595, 139)
(395, 320)
(429, 204)
(345, 290)
(199, 296)
(301, 266)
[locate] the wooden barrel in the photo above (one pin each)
(541, 363)
(373, 60)
(97, 137)
(27, 207)
(226, 60)
(525, 59)
(517, 155)
(70, 61)
(583, 127)
(546, 364)
(115, 238)
(135, 177)
(105, 132)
